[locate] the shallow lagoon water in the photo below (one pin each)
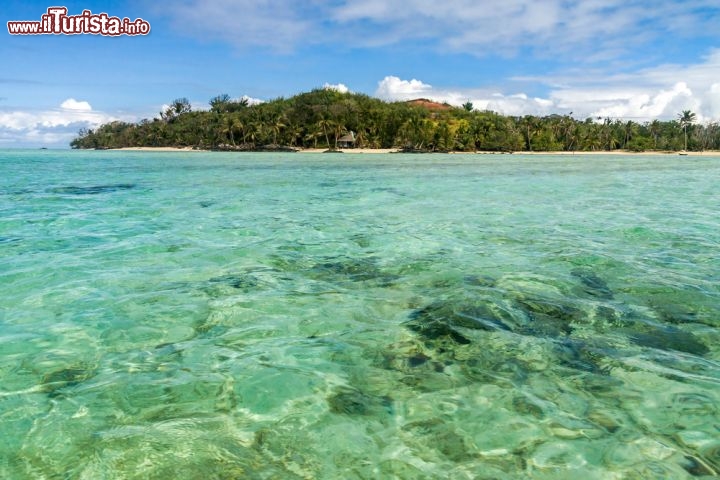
(192, 315)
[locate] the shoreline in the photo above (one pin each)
(376, 151)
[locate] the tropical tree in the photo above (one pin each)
(226, 130)
(219, 103)
(655, 128)
(276, 127)
(178, 107)
(530, 125)
(686, 118)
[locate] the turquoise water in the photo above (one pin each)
(223, 316)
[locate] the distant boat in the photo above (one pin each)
(683, 153)
(43, 148)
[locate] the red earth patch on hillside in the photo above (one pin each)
(429, 104)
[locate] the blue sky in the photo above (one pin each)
(627, 59)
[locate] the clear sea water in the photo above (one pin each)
(226, 316)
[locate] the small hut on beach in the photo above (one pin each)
(347, 141)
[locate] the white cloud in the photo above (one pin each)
(393, 88)
(648, 106)
(339, 87)
(594, 30)
(70, 111)
(55, 126)
(657, 93)
(712, 99)
(251, 100)
(72, 104)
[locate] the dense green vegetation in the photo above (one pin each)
(320, 117)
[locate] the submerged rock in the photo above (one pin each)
(527, 406)
(592, 284)
(335, 269)
(240, 281)
(354, 402)
(448, 319)
(673, 313)
(479, 280)
(353, 269)
(696, 467)
(343, 268)
(548, 317)
(66, 377)
(441, 437)
(361, 240)
(94, 190)
(669, 338)
(417, 360)
(444, 319)
(580, 355)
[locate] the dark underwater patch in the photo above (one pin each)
(9, 240)
(352, 269)
(94, 190)
(479, 280)
(417, 360)
(361, 240)
(697, 468)
(239, 281)
(548, 317)
(579, 355)
(526, 406)
(443, 319)
(441, 437)
(342, 268)
(55, 381)
(354, 402)
(669, 338)
(388, 190)
(592, 284)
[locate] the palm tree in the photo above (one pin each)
(256, 132)
(226, 130)
(276, 128)
(655, 128)
(312, 136)
(324, 124)
(686, 118)
(630, 130)
(530, 126)
(237, 125)
(338, 130)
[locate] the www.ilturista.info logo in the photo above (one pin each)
(57, 22)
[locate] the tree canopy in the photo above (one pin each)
(320, 117)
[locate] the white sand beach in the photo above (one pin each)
(707, 153)
(160, 149)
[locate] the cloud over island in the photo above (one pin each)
(649, 94)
